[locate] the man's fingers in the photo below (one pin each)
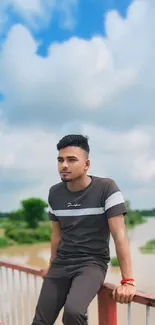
(127, 299)
(122, 295)
(130, 298)
(114, 294)
(119, 295)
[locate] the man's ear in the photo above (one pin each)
(87, 164)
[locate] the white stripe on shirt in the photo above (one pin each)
(114, 199)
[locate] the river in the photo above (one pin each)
(143, 268)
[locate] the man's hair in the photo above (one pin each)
(76, 140)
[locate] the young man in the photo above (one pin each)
(84, 210)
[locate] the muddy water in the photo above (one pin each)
(143, 269)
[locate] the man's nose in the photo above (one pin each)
(64, 164)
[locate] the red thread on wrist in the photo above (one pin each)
(127, 280)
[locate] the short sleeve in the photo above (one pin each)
(114, 201)
(51, 214)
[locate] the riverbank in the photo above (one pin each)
(131, 223)
(149, 247)
(18, 233)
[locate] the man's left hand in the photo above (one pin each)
(124, 293)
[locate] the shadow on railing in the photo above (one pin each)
(20, 287)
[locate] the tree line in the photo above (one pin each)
(30, 223)
(33, 210)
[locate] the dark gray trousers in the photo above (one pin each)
(74, 294)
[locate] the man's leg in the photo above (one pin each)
(84, 288)
(52, 298)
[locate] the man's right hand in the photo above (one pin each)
(44, 272)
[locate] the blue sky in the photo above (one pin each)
(77, 66)
(89, 15)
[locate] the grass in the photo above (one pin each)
(149, 247)
(17, 233)
(4, 241)
(1, 232)
(133, 220)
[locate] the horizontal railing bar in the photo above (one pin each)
(21, 268)
(141, 297)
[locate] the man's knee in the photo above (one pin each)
(73, 315)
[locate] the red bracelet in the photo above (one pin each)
(127, 280)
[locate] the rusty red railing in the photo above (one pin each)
(26, 289)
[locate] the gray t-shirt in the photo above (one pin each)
(83, 217)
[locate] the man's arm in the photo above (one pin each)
(55, 240)
(123, 293)
(56, 229)
(55, 236)
(119, 234)
(115, 209)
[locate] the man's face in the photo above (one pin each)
(73, 163)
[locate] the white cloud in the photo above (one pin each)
(112, 76)
(38, 13)
(27, 164)
(131, 152)
(106, 84)
(68, 8)
(4, 21)
(27, 149)
(33, 6)
(145, 167)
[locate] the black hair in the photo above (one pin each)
(76, 140)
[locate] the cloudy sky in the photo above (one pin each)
(84, 67)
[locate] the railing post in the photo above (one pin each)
(107, 308)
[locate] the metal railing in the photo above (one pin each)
(19, 291)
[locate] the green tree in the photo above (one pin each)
(16, 215)
(128, 205)
(133, 217)
(3, 215)
(33, 211)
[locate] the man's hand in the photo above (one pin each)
(44, 272)
(124, 293)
